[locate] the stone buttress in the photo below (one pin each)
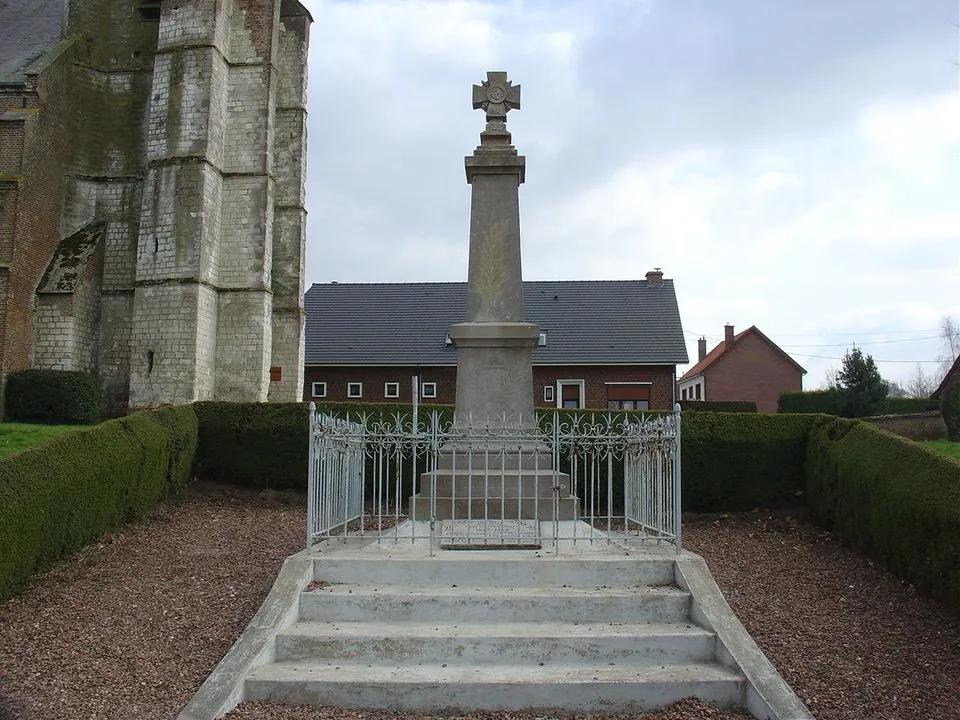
(206, 297)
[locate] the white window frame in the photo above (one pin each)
(351, 386)
(318, 389)
(542, 339)
(391, 390)
(548, 394)
(428, 390)
(582, 386)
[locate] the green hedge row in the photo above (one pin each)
(718, 406)
(56, 498)
(827, 402)
(53, 397)
(260, 445)
(730, 461)
(742, 461)
(899, 406)
(895, 500)
(811, 401)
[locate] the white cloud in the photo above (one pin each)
(921, 139)
(803, 197)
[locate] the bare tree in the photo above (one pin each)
(830, 380)
(949, 343)
(920, 384)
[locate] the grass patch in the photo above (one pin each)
(15, 437)
(948, 448)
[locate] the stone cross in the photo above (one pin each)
(497, 96)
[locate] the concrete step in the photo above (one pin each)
(502, 569)
(493, 643)
(461, 507)
(452, 604)
(432, 688)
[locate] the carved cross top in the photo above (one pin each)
(497, 96)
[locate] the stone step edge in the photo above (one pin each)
(491, 591)
(534, 630)
(338, 671)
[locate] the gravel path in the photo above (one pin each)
(130, 627)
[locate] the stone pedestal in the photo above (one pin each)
(485, 476)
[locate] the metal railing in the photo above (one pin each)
(505, 482)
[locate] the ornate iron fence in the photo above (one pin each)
(503, 483)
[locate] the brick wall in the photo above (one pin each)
(595, 389)
(374, 378)
(33, 152)
(751, 370)
(595, 379)
(915, 426)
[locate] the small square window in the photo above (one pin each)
(428, 390)
(354, 390)
(318, 389)
(391, 390)
(548, 393)
(542, 340)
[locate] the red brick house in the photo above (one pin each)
(746, 367)
(603, 344)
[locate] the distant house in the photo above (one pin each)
(744, 367)
(953, 372)
(603, 344)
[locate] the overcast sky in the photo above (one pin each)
(791, 164)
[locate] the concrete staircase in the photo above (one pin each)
(472, 630)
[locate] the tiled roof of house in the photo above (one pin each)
(27, 31)
(587, 322)
(721, 347)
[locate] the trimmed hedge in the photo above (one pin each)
(260, 445)
(743, 461)
(57, 497)
(718, 406)
(730, 461)
(905, 405)
(53, 397)
(811, 401)
(828, 402)
(893, 499)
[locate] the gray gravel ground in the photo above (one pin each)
(130, 627)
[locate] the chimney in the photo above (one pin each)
(655, 276)
(701, 349)
(728, 334)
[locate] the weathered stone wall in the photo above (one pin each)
(166, 131)
(173, 337)
(290, 215)
(67, 324)
(112, 82)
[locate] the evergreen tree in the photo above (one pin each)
(860, 389)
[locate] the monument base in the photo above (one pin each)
(501, 494)
(494, 373)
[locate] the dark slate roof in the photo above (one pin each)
(588, 322)
(27, 30)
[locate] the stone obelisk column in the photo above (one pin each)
(495, 346)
